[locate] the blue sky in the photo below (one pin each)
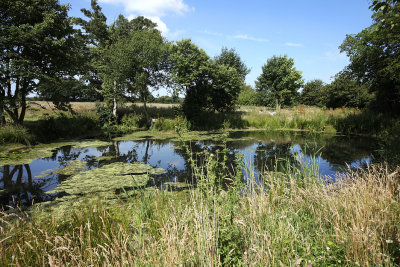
(309, 31)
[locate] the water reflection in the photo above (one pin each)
(21, 185)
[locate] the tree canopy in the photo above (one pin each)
(230, 58)
(375, 55)
(312, 92)
(207, 85)
(279, 81)
(39, 45)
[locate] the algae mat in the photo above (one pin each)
(98, 183)
(27, 154)
(107, 179)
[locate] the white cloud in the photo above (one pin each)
(293, 44)
(161, 26)
(157, 8)
(250, 38)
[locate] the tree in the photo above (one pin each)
(312, 92)
(134, 60)
(345, 91)
(225, 87)
(232, 59)
(126, 58)
(375, 55)
(280, 81)
(207, 85)
(39, 45)
(247, 96)
(190, 73)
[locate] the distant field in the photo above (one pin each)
(90, 106)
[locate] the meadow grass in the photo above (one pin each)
(355, 221)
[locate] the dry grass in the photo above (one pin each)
(354, 222)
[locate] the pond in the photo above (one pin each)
(77, 168)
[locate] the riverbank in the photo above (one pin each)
(45, 124)
(287, 222)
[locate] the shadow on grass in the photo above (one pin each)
(81, 125)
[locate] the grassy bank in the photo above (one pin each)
(354, 222)
(44, 124)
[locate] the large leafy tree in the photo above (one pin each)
(230, 58)
(38, 45)
(375, 55)
(207, 85)
(312, 92)
(344, 91)
(127, 57)
(135, 62)
(279, 81)
(190, 67)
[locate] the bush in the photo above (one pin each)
(66, 125)
(15, 134)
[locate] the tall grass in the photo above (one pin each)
(355, 221)
(15, 134)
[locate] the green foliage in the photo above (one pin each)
(345, 92)
(39, 45)
(65, 125)
(312, 92)
(375, 56)
(207, 86)
(247, 96)
(231, 58)
(15, 134)
(280, 80)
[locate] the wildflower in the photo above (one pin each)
(389, 241)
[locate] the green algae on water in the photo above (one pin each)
(26, 155)
(107, 179)
(72, 167)
(99, 183)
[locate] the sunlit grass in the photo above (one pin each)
(352, 222)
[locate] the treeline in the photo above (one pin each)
(62, 59)
(343, 91)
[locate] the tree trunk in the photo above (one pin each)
(23, 103)
(116, 148)
(146, 114)
(115, 106)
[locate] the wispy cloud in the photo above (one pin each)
(237, 36)
(335, 55)
(213, 33)
(293, 44)
(158, 8)
(249, 38)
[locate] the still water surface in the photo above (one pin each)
(19, 184)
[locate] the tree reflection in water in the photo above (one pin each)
(269, 152)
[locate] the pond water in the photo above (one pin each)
(28, 183)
